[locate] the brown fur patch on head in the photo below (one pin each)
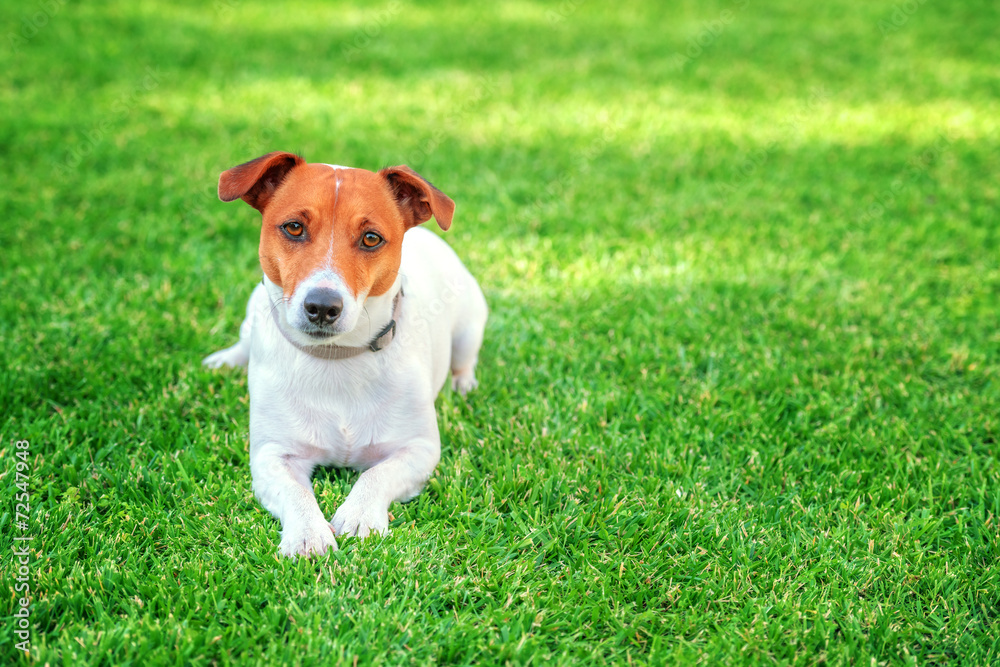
(336, 208)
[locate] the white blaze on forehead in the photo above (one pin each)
(337, 190)
(336, 196)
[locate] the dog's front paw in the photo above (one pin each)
(307, 540)
(355, 520)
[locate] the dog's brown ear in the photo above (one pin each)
(417, 198)
(255, 181)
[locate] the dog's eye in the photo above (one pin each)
(293, 228)
(371, 240)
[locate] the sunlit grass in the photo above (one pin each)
(738, 397)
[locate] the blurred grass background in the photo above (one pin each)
(738, 398)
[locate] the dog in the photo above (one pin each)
(359, 320)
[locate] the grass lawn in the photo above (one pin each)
(739, 398)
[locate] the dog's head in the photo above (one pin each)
(332, 236)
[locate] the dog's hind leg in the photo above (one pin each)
(465, 343)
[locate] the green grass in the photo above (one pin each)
(738, 399)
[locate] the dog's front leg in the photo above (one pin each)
(399, 476)
(282, 484)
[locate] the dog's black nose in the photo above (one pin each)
(323, 305)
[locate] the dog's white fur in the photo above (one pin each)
(373, 412)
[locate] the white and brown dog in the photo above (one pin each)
(356, 325)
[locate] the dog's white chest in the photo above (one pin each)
(342, 442)
(314, 410)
